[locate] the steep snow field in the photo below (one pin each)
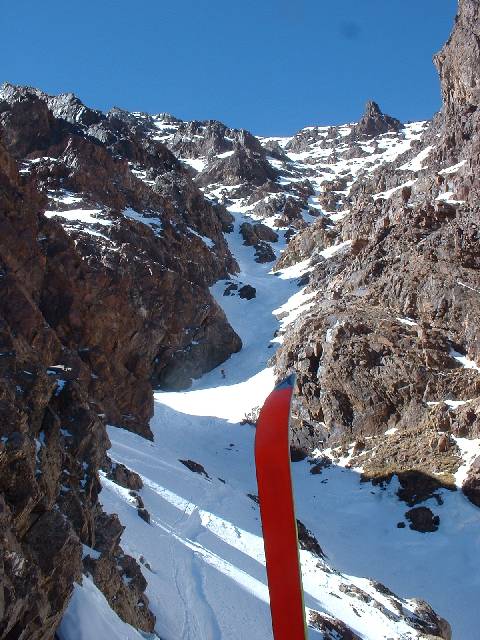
(202, 553)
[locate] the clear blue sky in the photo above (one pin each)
(271, 66)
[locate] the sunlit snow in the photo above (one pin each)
(88, 216)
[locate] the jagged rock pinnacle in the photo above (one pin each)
(374, 122)
(372, 109)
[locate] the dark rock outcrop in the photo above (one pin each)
(264, 253)
(331, 628)
(374, 123)
(422, 519)
(247, 292)
(118, 575)
(196, 467)
(429, 623)
(258, 236)
(258, 232)
(125, 477)
(308, 541)
(471, 486)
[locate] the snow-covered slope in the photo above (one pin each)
(311, 172)
(202, 552)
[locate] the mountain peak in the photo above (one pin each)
(372, 109)
(374, 122)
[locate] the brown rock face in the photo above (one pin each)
(255, 233)
(471, 486)
(119, 576)
(458, 65)
(429, 623)
(129, 293)
(52, 441)
(242, 166)
(92, 312)
(97, 308)
(395, 313)
(459, 61)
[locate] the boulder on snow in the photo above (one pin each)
(297, 454)
(319, 465)
(331, 628)
(196, 467)
(123, 476)
(258, 236)
(253, 233)
(264, 253)
(308, 541)
(247, 292)
(422, 519)
(144, 514)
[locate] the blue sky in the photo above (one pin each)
(271, 66)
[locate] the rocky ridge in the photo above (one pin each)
(386, 355)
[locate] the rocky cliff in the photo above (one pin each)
(386, 357)
(104, 292)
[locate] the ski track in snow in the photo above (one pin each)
(204, 547)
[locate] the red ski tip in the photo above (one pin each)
(277, 510)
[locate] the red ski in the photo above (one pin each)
(277, 510)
